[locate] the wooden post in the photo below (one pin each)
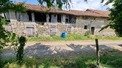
(97, 52)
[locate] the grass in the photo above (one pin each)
(107, 60)
(82, 62)
(71, 37)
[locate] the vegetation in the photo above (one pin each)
(6, 36)
(115, 16)
(107, 60)
(55, 3)
(20, 49)
(71, 37)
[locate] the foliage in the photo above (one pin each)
(71, 37)
(115, 16)
(56, 3)
(6, 36)
(108, 61)
(20, 50)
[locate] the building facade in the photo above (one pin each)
(43, 21)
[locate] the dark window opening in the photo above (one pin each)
(59, 17)
(67, 19)
(29, 15)
(49, 17)
(40, 17)
(70, 19)
(92, 30)
(85, 27)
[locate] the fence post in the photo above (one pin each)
(97, 52)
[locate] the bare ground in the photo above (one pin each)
(68, 49)
(71, 48)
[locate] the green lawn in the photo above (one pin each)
(71, 37)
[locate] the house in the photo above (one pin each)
(43, 21)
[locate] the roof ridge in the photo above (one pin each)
(92, 11)
(42, 8)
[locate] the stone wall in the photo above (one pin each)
(49, 29)
(32, 28)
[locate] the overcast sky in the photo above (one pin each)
(77, 4)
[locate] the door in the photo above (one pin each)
(30, 31)
(92, 30)
(69, 29)
(53, 30)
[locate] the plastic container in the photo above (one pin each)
(63, 35)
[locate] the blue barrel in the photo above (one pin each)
(63, 35)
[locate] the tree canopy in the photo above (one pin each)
(115, 17)
(6, 36)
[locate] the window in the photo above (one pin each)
(70, 19)
(85, 27)
(40, 17)
(29, 15)
(18, 14)
(67, 19)
(59, 17)
(50, 17)
(7, 17)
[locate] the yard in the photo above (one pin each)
(67, 53)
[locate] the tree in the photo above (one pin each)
(6, 36)
(115, 16)
(56, 3)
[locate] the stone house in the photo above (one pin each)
(43, 21)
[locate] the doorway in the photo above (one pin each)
(30, 31)
(92, 30)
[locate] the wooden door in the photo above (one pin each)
(53, 29)
(30, 31)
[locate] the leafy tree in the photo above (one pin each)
(6, 36)
(56, 3)
(115, 16)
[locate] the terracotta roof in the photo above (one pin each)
(100, 12)
(88, 12)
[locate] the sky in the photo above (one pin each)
(78, 4)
